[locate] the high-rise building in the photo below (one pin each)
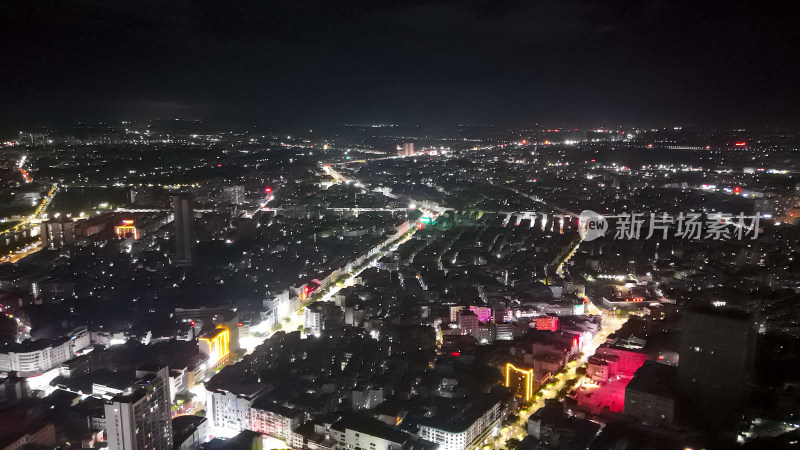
(320, 314)
(408, 149)
(468, 427)
(275, 420)
(57, 233)
(140, 418)
(468, 322)
(233, 194)
(651, 394)
(142, 196)
(717, 351)
(228, 404)
(13, 389)
(365, 432)
(184, 229)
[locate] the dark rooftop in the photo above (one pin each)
(372, 427)
(656, 379)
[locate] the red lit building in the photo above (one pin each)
(601, 368)
(548, 323)
(629, 360)
(484, 313)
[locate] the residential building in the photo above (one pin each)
(57, 233)
(367, 433)
(13, 389)
(229, 407)
(43, 436)
(629, 360)
(275, 420)
(602, 368)
(366, 398)
(468, 322)
(31, 358)
(465, 428)
(233, 194)
(717, 352)
(75, 367)
(318, 313)
(184, 229)
(189, 432)
(651, 394)
(140, 417)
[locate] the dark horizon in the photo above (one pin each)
(319, 64)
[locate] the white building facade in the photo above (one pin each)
(33, 359)
(450, 438)
(230, 411)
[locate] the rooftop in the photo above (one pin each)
(372, 427)
(656, 379)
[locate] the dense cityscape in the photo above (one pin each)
(379, 289)
(399, 225)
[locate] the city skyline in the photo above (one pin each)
(381, 225)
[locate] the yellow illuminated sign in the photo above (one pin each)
(218, 345)
(124, 231)
(528, 374)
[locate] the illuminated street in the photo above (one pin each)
(21, 253)
(518, 430)
(30, 222)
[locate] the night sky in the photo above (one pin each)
(329, 62)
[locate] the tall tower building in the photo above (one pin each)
(57, 233)
(184, 229)
(408, 149)
(140, 418)
(233, 194)
(717, 354)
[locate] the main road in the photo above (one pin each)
(518, 430)
(297, 317)
(26, 224)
